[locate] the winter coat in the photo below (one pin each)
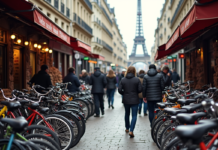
(71, 77)
(121, 77)
(111, 82)
(130, 86)
(41, 78)
(166, 79)
(153, 85)
(85, 78)
(98, 82)
(175, 77)
(141, 76)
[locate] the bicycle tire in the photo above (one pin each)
(168, 139)
(30, 129)
(90, 108)
(45, 144)
(15, 144)
(85, 108)
(41, 136)
(154, 120)
(160, 129)
(77, 130)
(83, 125)
(154, 127)
(166, 132)
(67, 125)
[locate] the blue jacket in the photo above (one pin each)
(175, 77)
(71, 77)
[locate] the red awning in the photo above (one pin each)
(199, 19)
(97, 56)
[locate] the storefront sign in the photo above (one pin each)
(112, 64)
(169, 57)
(50, 26)
(79, 62)
(83, 45)
(92, 61)
(174, 56)
(86, 58)
(188, 21)
(172, 39)
(99, 62)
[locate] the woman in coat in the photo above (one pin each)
(111, 86)
(129, 87)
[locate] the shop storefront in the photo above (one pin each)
(198, 36)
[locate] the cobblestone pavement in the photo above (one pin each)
(108, 131)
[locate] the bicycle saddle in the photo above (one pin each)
(192, 108)
(194, 132)
(161, 105)
(173, 118)
(23, 102)
(11, 105)
(172, 99)
(190, 118)
(174, 111)
(43, 109)
(17, 124)
(33, 105)
(186, 101)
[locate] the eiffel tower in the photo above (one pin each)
(139, 40)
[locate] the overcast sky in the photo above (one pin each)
(126, 10)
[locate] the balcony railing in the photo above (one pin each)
(107, 30)
(49, 1)
(106, 15)
(88, 3)
(97, 40)
(80, 22)
(56, 4)
(62, 7)
(107, 46)
(68, 12)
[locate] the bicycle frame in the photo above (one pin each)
(202, 144)
(33, 115)
(3, 110)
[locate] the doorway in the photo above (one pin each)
(18, 69)
(32, 63)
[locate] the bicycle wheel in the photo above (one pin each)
(85, 108)
(15, 145)
(160, 129)
(176, 144)
(90, 108)
(168, 139)
(31, 137)
(160, 113)
(62, 127)
(166, 132)
(41, 130)
(44, 145)
(77, 130)
(154, 128)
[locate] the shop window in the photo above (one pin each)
(49, 15)
(2, 36)
(32, 64)
(56, 20)
(18, 69)
(2, 67)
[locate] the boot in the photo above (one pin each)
(97, 116)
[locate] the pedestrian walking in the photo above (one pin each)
(71, 77)
(122, 74)
(158, 70)
(129, 87)
(153, 85)
(141, 76)
(85, 76)
(98, 82)
(175, 76)
(111, 86)
(42, 78)
(166, 76)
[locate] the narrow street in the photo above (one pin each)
(108, 131)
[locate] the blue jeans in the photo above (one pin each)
(140, 106)
(134, 116)
(151, 107)
(110, 95)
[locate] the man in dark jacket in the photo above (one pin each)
(153, 85)
(42, 78)
(98, 82)
(175, 76)
(71, 77)
(166, 76)
(85, 76)
(122, 74)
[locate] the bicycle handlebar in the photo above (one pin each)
(9, 99)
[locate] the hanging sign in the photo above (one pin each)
(76, 56)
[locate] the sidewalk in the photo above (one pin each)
(108, 131)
